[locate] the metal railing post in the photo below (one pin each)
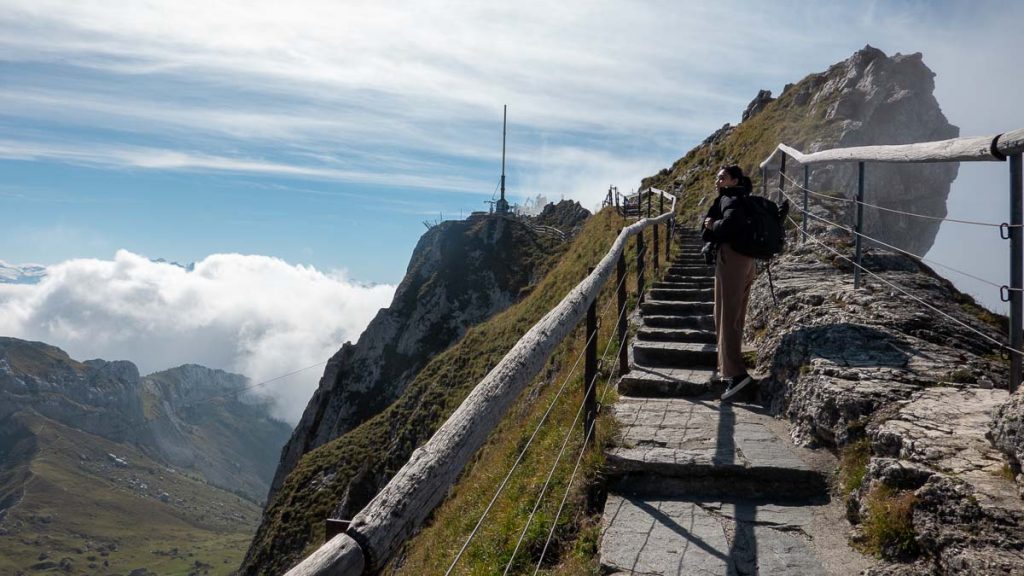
(782, 177)
(620, 277)
(668, 228)
(859, 225)
(590, 369)
(807, 182)
(656, 253)
(1016, 268)
(640, 256)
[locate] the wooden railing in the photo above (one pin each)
(397, 512)
(995, 148)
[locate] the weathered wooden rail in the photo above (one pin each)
(995, 148)
(398, 511)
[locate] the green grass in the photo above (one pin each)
(889, 526)
(78, 506)
(853, 463)
(368, 455)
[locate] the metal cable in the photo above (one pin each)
(893, 210)
(565, 442)
(911, 296)
(572, 477)
(529, 442)
(890, 246)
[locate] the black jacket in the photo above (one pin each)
(727, 212)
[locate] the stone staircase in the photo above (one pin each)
(699, 486)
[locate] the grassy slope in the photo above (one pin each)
(572, 552)
(78, 506)
(747, 145)
(297, 514)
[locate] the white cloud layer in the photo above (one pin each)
(254, 315)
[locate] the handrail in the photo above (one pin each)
(978, 149)
(412, 494)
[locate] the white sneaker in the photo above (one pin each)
(735, 384)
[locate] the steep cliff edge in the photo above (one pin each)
(867, 99)
(337, 479)
(460, 273)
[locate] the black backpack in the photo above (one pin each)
(763, 234)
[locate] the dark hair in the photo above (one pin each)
(736, 172)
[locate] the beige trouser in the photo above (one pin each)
(734, 275)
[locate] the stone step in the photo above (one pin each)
(667, 382)
(656, 334)
(674, 354)
(711, 537)
(689, 283)
(697, 271)
(688, 446)
(682, 294)
(668, 307)
(695, 322)
(706, 279)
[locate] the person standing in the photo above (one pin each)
(734, 275)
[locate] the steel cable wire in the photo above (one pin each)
(565, 443)
(890, 246)
(912, 297)
(526, 447)
(572, 477)
(903, 212)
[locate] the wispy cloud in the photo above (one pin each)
(160, 315)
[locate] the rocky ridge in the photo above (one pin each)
(191, 416)
(875, 367)
(460, 273)
(867, 99)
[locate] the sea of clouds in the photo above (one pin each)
(254, 315)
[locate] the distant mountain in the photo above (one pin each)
(21, 273)
(190, 416)
(160, 463)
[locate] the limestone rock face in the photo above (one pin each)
(1006, 430)
(763, 98)
(461, 273)
(875, 99)
(922, 390)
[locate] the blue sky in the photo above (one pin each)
(324, 133)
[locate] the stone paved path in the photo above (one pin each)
(699, 486)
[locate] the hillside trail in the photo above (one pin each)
(701, 486)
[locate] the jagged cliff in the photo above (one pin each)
(867, 99)
(460, 273)
(386, 394)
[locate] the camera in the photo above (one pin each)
(710, 253)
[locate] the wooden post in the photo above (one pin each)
(590, 369)
(620, 279)
(648, 203)
(764, 181)
(807, 181)
(640, 256)
(859, 225)
(1016, 268)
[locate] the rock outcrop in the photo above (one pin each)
(876, 366)
(867, 99)
(460, 273)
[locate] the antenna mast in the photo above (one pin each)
(502, 205)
